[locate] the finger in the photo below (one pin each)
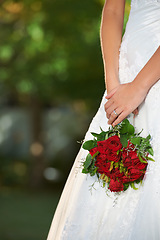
(108, 104)
(111, 109)
(108, 116)
(135, 112)
(111, 93)
(120, 118)
(114, 115)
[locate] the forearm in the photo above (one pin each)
(110, 36)
(150, 73)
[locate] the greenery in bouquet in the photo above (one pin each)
(118, 157)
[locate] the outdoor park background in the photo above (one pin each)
(51, 84)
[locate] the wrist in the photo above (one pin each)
(111, 82)
(142, 83)
(111, 86)
(140, 86)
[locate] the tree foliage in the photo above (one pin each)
(51, 49)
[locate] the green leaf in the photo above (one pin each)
(88, 161)
(151, 159)
(126, 186)
(124, 140)
(95, 154)
(141, 159)
(133, 186)
(140, 132)
(131, 129)
(148, 137)
(93, 172)
(111, 166)
(85, 171)
(123, 129)
(136, 140)
(125, 121)
(126, 127)
(116, 165)
(89, 144)
(106, 137)
(150, 150)
(101, 136)
(95, 134)
(101, 129)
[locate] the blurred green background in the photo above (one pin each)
(51, 84)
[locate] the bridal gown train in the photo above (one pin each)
(82, 215)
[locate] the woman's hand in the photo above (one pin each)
(135, 112)
(111, 85)
(123, 100)
(115, 85)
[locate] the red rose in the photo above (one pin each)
(101, 159)
(102, 146)
(114, 143)
(113, 156)
(115, 186)
(128, 157)
(138, 164)
(125, 179)
(116, 174)
(104, 168)
(135, 174)
(126, 161)
(93, 151)
(133, 154)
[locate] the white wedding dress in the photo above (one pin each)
(135, 215)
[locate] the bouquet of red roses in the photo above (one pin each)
(119, 156)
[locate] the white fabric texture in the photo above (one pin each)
(135, 215)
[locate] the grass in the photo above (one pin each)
(26, 215)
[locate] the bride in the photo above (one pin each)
(132, 74)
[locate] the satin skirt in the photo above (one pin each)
(85, 214)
